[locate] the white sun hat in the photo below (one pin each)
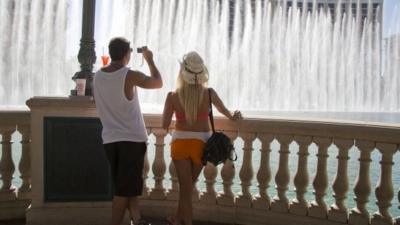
(193, 69)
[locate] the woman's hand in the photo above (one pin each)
(237, 115)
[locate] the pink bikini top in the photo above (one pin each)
(200, 116)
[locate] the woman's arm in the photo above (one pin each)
(168, 111)
(217, 102)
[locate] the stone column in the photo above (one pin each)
(159, 167)
(227, 174)
(173, 192)
(146, 169)
(87, 54)
(362, 188)
(280, 202)
(299, 205)
(25, 163)
(318, 207)
(338, 211)
(195, 192)
(210, 174)
(246, 172)
(398, 218)
(7, 166)
(263, 201)
(384, 190)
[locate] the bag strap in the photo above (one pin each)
(210, 112)
(210, 115)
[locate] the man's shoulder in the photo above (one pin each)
(133, 72)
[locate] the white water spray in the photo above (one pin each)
(268, 58)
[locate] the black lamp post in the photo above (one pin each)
(87, 54)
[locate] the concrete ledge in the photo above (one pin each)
(16, 209)
(71, 216)
(100, 214)
(231, 214)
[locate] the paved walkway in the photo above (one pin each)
(153, 222)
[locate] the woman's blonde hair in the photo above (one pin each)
(190, 97)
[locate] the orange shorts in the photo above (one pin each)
(187, 149)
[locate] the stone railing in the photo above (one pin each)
(14, 199)
(246, 207)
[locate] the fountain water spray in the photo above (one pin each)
(261, 55)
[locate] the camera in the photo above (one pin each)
(140, 50)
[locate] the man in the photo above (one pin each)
(124, 133)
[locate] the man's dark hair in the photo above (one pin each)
(118, 47)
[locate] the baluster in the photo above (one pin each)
(210, 173)
(7, 167)
(195, 192)
(173, 193)
(25, 163)
(338, 211)
(246, 172)
(359, 215)
(280, 203)
(159, 166)
(299, 205)
(384, 191)
(227, 175)
(263, 201)
(398, 218)
(318, 207)
(146, 169)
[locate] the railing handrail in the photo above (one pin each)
(372, 131)
(15, 117)
(377, 132)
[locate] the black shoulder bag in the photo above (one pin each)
(218, 147)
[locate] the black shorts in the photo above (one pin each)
(126, 161)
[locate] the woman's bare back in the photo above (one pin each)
(200, 125)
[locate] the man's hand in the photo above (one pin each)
(147, 55)
(144, 81)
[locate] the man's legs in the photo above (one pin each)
(136, 153)
(134, 208)
(119, 203)
(119, 206)
(126, 162)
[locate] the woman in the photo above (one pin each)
(190, 103)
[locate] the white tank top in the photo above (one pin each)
(121, 118)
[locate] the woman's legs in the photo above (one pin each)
(187, 175)
(184, 172)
